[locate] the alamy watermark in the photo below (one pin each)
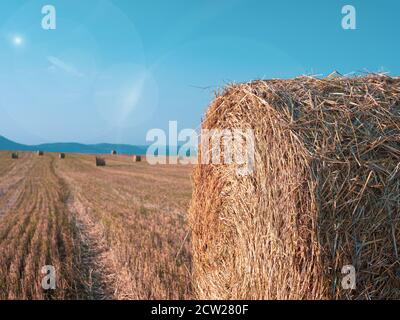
(49, 21)
(218, 146)
(349, 280)
(49, 280)
(349, 21)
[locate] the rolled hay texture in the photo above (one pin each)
(324, 192)
(100, 162)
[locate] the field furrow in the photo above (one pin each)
(36, 230)
(141, 222)
(116, 232)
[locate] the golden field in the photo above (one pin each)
(113, 232)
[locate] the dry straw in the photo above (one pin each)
(100, 162)
(324, 193)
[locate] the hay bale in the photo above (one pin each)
(40, 153)
(333, 75)
(324, 193)
(114, 152)
(137, 158)
(100, 162)
(14, 155)
(62, 156)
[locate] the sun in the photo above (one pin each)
(18, 40)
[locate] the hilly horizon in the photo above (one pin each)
(72, 147)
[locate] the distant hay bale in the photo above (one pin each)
(324, 193)
(137, 158)
(114, 152)
(14, 155)
(40, 153)
(62, 156)
(100, 162)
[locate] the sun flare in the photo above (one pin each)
(18, 40)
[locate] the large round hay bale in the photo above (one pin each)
(100, 162)
(324, 193)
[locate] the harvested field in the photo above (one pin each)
(114, 232)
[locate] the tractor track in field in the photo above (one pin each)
(41, 224)
(137, 231)
(96, 266)
(108, 234)
(94, 254)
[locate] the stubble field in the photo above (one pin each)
(114, 232)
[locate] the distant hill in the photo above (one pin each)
(8, 145)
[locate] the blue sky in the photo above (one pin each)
(112, 70)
